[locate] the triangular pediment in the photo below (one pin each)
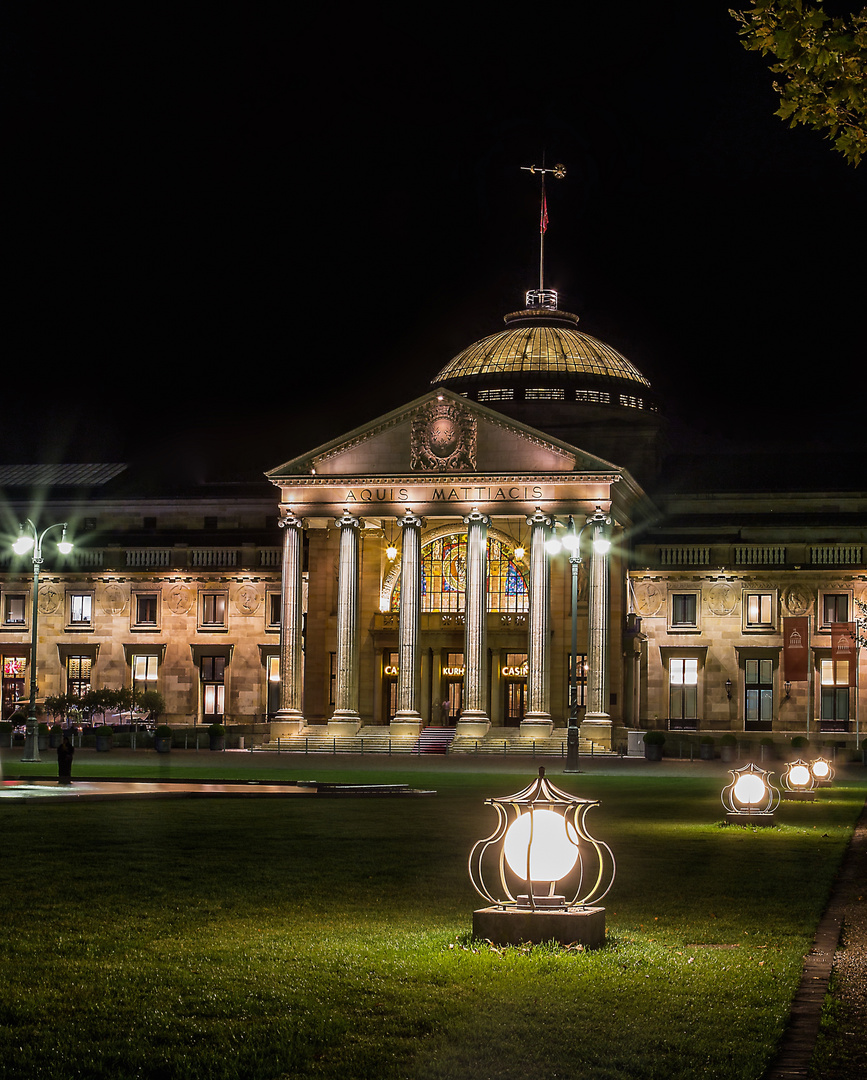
(442, 434)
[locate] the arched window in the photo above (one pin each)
(444, 576)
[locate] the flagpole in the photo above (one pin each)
(559, 172)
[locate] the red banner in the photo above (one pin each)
(796, 639)
(843, 650)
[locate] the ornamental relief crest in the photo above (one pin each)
(443, 438)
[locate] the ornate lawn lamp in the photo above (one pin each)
(823, 772)
(750, 798)
(798, 782)
(541, 870)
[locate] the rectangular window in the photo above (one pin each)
(78, 675)
(212, 610)
(80, 609)
(682, 690)
(273, 610)
(144, 672)
(834, 702)
(759, 693)
(834, 608)
(213, 674)
(580, 679)
(683, 611)
(146, 609)
(272, 692)
(760, 611)
(14, 609)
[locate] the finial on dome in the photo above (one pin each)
(559, 171)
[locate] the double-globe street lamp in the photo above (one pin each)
(29, 537)
(599, 522)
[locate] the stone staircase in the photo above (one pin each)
(315, 739)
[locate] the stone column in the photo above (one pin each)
(346, 719)
(407, 720)
(596, 725)
(474, 719)
(537, 722)
(290, 716)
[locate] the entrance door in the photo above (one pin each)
(513, 701)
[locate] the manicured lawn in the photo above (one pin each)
(330, 937)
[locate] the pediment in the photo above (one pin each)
(442, 434)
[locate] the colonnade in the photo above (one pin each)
(474, 718)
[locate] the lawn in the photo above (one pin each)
(330, 937)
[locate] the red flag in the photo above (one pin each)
(843, 649)
(796, 638)
(543, 224)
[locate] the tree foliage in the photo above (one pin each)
(822, 62)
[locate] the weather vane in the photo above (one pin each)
(559, 171)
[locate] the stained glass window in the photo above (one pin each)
(444, 577)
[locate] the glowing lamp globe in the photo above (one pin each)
(822, 770)
(799, 776)
(750, 798)
(798, 782)
(541, 846)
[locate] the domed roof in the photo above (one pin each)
(544, 342)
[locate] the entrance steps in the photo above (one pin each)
(373, 739)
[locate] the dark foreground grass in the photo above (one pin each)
(330, 938)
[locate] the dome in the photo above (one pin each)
(543, 349)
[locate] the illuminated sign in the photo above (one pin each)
(454, 672)
(391, 669)
(516, 671)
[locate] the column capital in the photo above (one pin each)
(475, 518)
(289, 521)
(346, 519)
(410, 520)
(540, 519)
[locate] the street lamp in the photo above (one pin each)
(601, 544)
(29, 537)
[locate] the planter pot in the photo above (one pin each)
(728, 753)
(103, 743)
(706, 752)
(652, 752)
(42, 741)
(163, 744)
(55, 738)
(217, 742)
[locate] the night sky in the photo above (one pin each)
(233, 237)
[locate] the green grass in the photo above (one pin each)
(330, 937)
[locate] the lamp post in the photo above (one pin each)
(599, 522)
(29, 537)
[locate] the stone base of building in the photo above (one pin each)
(285, 724)
(512, 926)
(536, 728)
(472, 727)
(599, 731)
(405, 729)
(344, 726)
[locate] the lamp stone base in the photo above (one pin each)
(750, 819)
(512, 926)
(799, 796)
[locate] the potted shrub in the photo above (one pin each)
(800, 745)
(217, 737)
(163, 739)
(767, 748)
(653, 743)
(707, 748)
(728, 747)
(103, 737)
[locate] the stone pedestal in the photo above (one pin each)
(283, 727)
(405, 729)
(347, 727)
(597, 731)
(798, 796)
(472, 728)
(750, 819)
(536, 729)
(512, 926)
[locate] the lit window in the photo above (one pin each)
(80, 609)
(212, 610)
(541, 393)
(213, 673)
(835, 608)
(496, 395)
(144, 672)
(146, 609)
(834, 707)
(760, 611)
(682, 689)
(78, 675)
(14, 609)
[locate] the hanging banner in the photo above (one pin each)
(843, 651)
(796, 638)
